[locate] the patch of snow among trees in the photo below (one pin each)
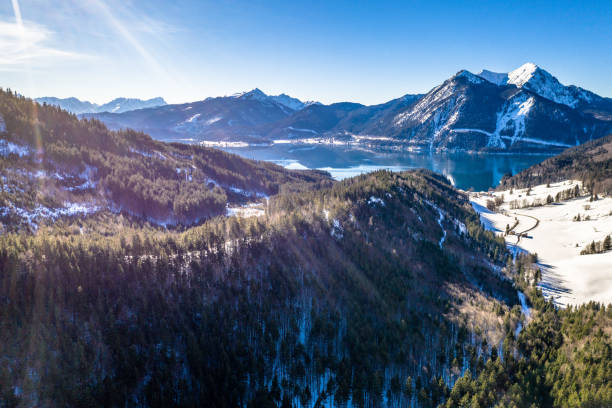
(42, 212)
(8, 148)
(245, 211)
(337, 230)
(375, 200)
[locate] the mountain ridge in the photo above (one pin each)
(117, 105)
(524, 110)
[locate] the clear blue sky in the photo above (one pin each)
(330, 51)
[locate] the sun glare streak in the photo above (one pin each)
(17, 12)
(19, 21)
(129, 38)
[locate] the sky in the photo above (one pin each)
(329, 51)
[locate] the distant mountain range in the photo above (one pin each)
(118, 105)
(527, 109)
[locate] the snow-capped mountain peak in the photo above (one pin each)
(537, 80)
(283, 99)
(291, 103)
(256, 94)
(498, 78)
(469, 76)
(117, 105)
(525, 73)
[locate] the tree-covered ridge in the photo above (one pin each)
(563, 358)
(590, 163)
(560, 358)
(51, 162)
(379, 288)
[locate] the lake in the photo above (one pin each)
(464, 170)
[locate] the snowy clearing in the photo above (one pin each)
(245, 211)
(554, 235)
(8, 148)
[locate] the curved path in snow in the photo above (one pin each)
(534, 226)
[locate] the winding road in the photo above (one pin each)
(534, 226)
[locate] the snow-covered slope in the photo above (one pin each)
(498, 78)
(292, 103)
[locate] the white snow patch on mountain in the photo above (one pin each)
(512, 119)
(303, 130)
(213, 120)
(245, 211)
(431, 105)
(42, 212)
(192, 118)
(296, 166)
(141, 152)
(247, 193)
(440, 219)
(283, 100)
(498, 78)
(337, 230)
(8, 148)
(538, 141)
(291, 103)
(376, 200)
(530, 76)
(469, 76)
(522, 74)
(255, 94)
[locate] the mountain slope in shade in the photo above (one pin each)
(118, 105)
(227, 118)
(313, 121)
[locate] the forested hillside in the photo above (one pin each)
(563, 358)
(336, 295)
(53, 164)
(590, 163)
